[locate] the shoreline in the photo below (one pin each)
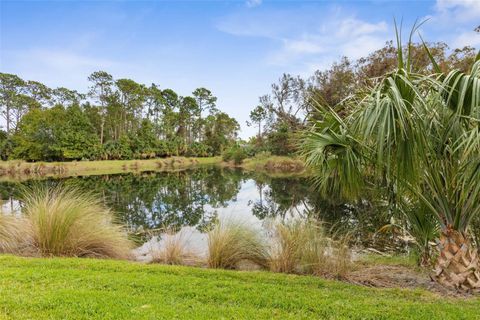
(18, 170)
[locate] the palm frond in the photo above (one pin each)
(417, 135)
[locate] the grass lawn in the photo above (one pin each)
(100, 289)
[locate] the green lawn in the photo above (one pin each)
(100, 289)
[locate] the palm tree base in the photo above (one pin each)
(458, 264)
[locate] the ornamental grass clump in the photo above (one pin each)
(302, 246)
(231, 243)
(11, 233)
(65, 221)
(174, 250)
(288, 242)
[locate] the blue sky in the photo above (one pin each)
(234, 48)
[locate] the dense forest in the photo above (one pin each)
(115, 119)
(282, 114)
(123, 119)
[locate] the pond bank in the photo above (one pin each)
(104, 289)
(275, 166)
(21, 170)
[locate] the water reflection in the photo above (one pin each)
(197, 197)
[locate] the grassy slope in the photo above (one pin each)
(17, 170)
(276, 165)
(22, 169)
(99, 289)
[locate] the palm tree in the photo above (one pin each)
(418, 138)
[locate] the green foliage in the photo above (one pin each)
(293, 98)
(239, 155)
(198, 149)
(144, 143)
(55, 134)
(281, 140)
(118, 150)
(38, 135)
(126, 120)
(76, 139)
(414, 137)
(236, 154)
(220, 132)
(6, 145)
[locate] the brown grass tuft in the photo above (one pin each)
(174, 250)
(69, 222)
(233, 242)
(11, 233)
(303, 247)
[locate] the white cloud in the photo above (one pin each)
(260, 23)
(362, 45)
(253, 3)
(467, 38)
(454, 21)
(459, 10)
(301, 40)
(351, 27)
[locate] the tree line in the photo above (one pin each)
(282, 114)
(115, 119)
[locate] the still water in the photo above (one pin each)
(150, 201)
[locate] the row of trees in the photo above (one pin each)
(283, 113)
(115, 119)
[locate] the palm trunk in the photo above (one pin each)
(425, 256)
(458, 264)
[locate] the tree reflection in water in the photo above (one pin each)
(155, 200)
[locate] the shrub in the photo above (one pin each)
(281, 139)
(68, 222)
(118, 150)
(198, 149)
(233, 242)
(262, 155)
(236, 153)
(239, 155)
(227, 155)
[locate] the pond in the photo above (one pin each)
(150, 201)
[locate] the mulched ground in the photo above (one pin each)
(395, 276)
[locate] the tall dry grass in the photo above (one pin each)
(231, 243)
(65, 221)
(302, 246)
(288, 243)
(174, 250)
(11, 234)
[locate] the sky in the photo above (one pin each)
(237, 49)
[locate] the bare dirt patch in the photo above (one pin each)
(396, 276)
